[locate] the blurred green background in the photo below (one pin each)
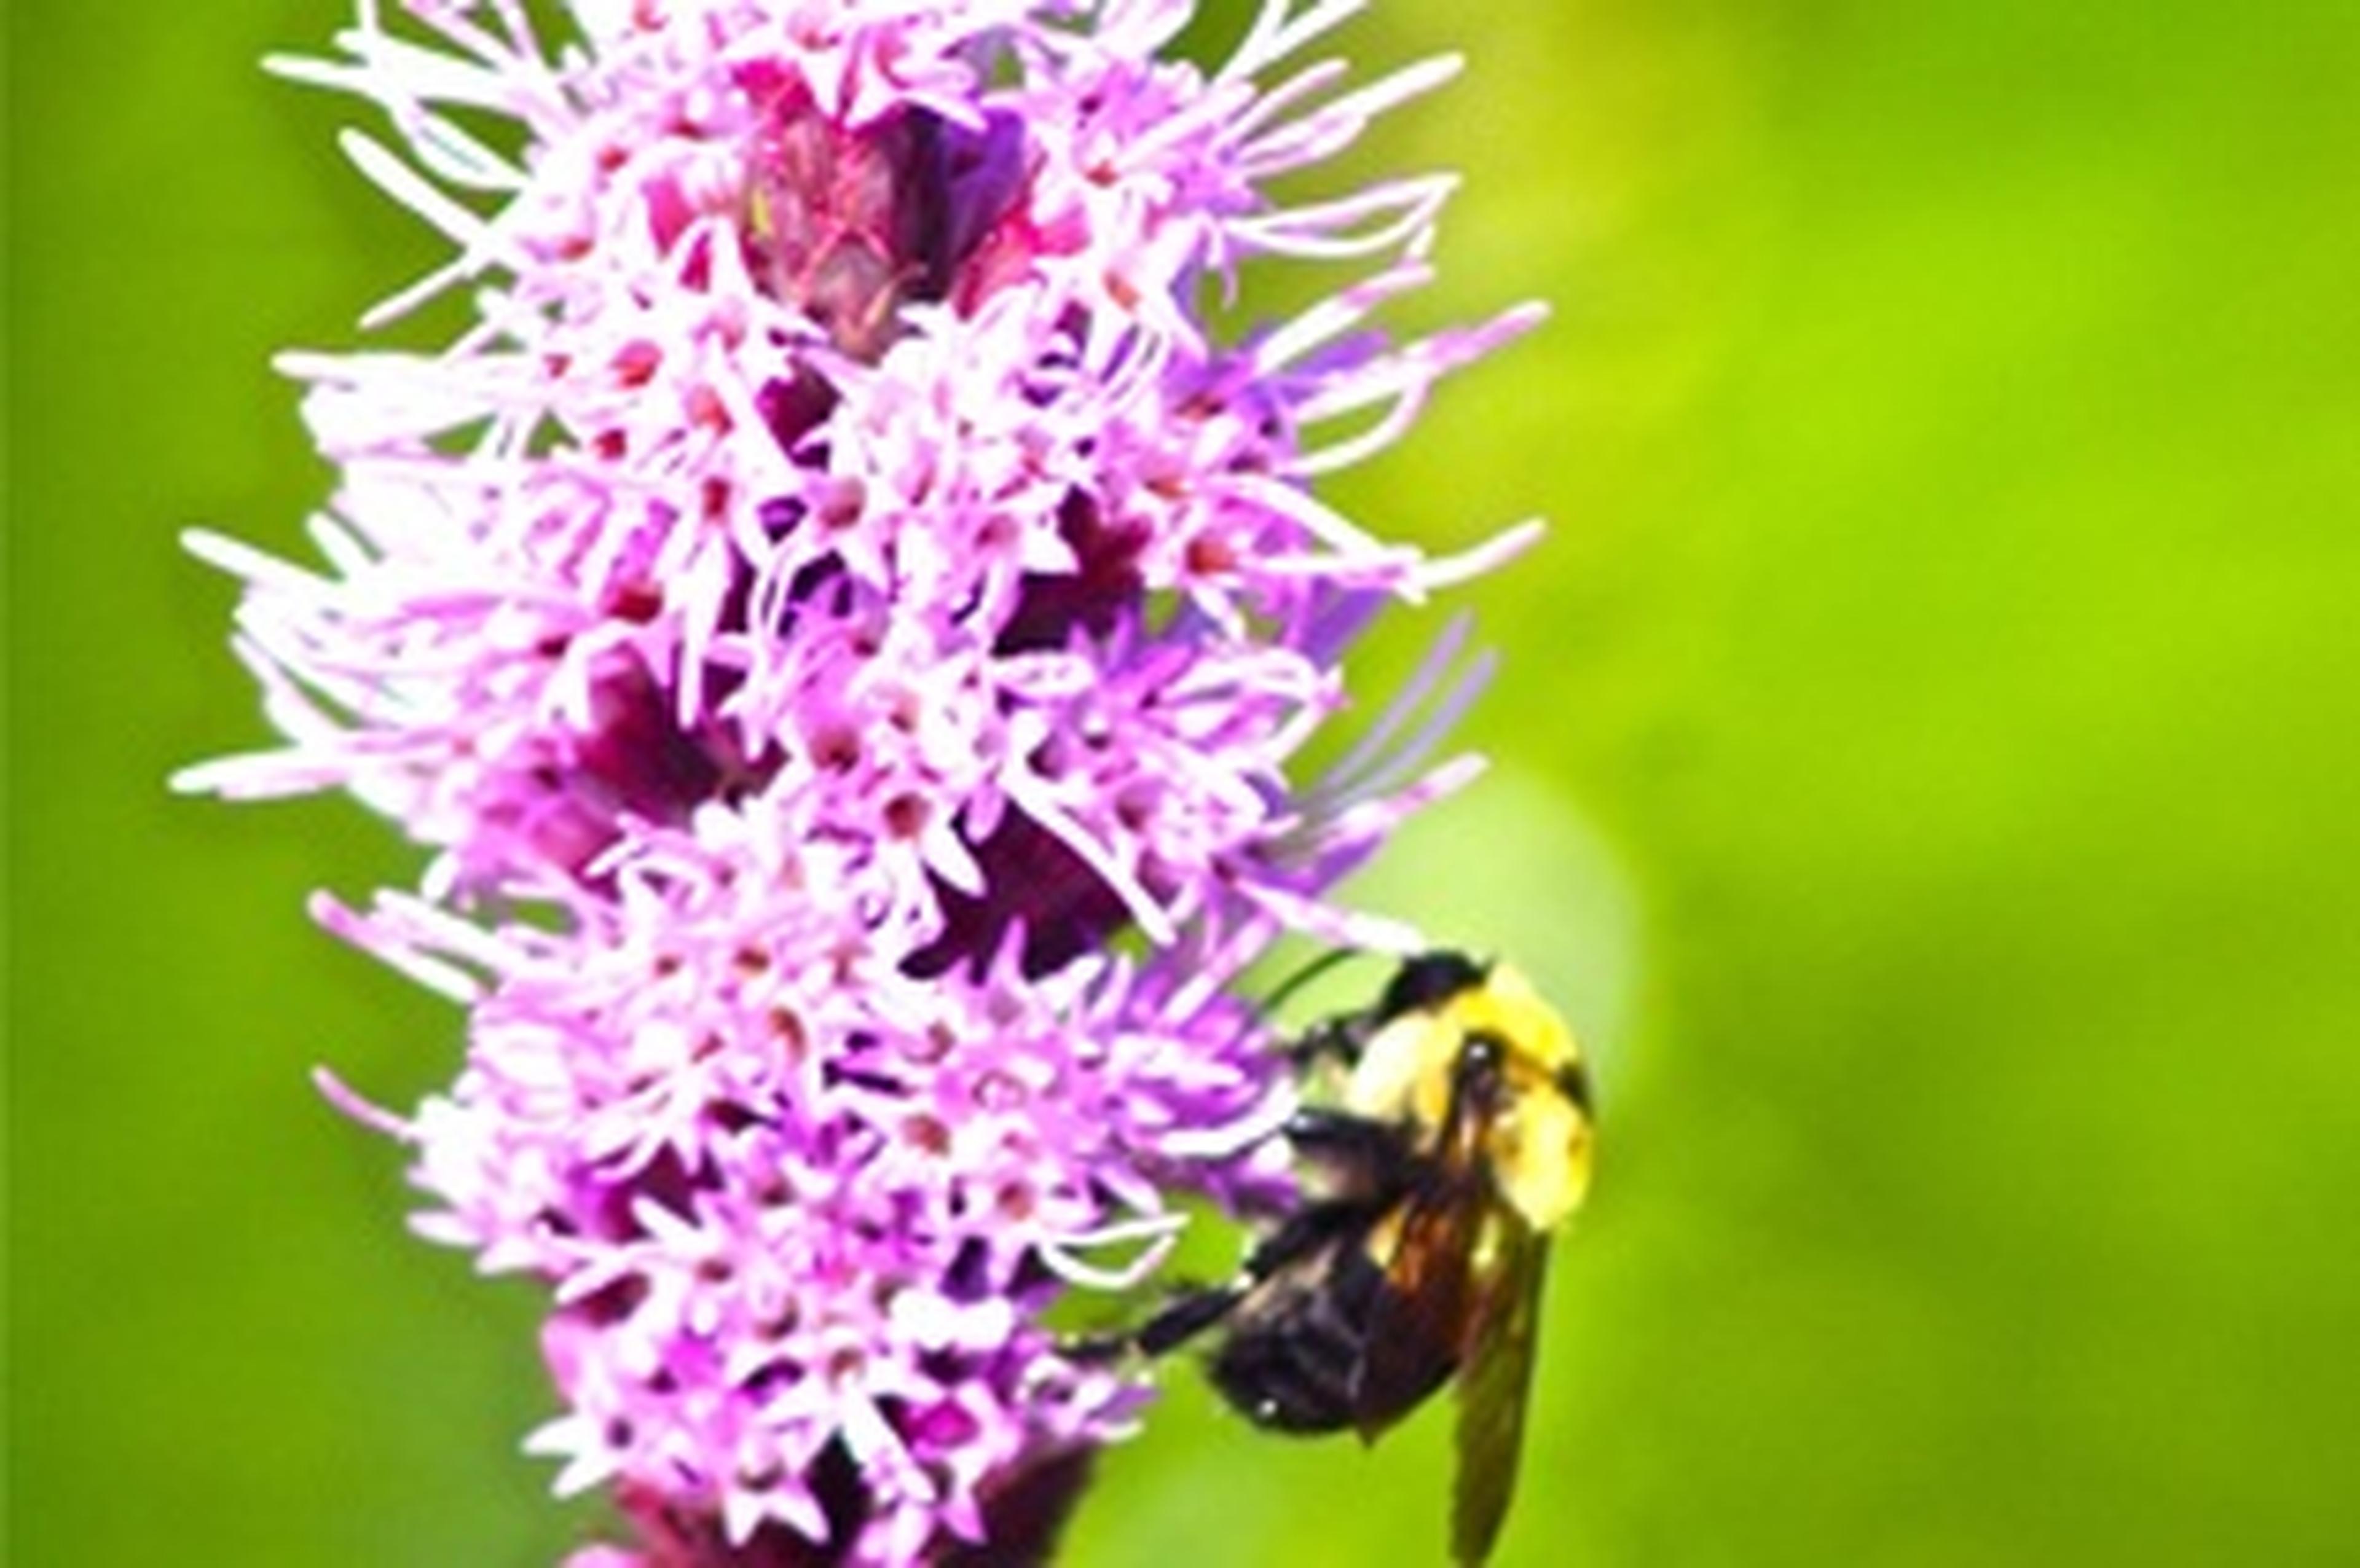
(1926, 760)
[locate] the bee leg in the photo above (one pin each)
(1186, 1314)
(1339, 1039)
(1364, 1156)
(1193, 1312)
(1185, 1317)
(1094, 1350)
(1302, 1232)
(1322, 1130)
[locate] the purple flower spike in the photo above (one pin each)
(837, 596)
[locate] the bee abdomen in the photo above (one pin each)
(1292, 1361)
(1290, 1376)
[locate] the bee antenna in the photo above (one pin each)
(1303, 976)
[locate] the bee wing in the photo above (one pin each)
(1419, 1323)
(1492, 1392)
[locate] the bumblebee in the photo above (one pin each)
(1459, 1143)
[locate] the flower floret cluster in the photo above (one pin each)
(836, 595)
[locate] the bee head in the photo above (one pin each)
(1428, 982)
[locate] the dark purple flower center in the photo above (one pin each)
(851, 224)
(1023, 1510)
(1031, 878)
(1093, 597)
